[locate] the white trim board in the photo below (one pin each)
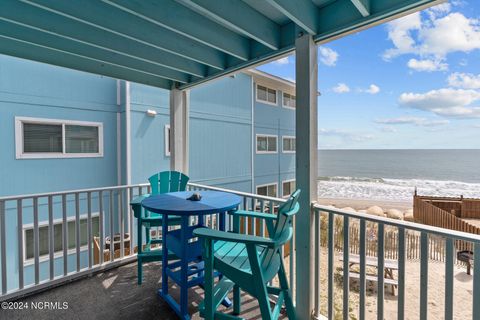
(266, 135)
(19, 154)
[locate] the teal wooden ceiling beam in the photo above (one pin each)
(342, 17)
(46, 40)
(20, 49)
(130, 28)
(304, 13)
(363, 6)
(61, 26)
(180, 20)
(240, 17)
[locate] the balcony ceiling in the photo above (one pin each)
(178, 43)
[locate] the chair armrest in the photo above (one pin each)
(136, 204)
(253, 214)
(138, 199)
(233, 237)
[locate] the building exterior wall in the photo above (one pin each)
(277, 120)
(224, 118)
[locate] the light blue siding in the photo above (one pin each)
(221, 133)
(148, 133)
(280, 121)
(33, 89)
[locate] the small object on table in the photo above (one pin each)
(195, 197)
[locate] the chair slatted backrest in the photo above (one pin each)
(283, 227)
(168, 181)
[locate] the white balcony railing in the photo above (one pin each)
(51, 238)
(333, 275)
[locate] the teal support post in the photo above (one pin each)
(306, 169)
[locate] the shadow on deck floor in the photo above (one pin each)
(115, 294)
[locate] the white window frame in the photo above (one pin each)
(19, 121)
(289, 137)
(267, 185)
(266, 101)
(59, 254)
(283, 182)
(267, 136)
(283, 101)
(167, 140)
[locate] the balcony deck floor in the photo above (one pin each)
(114, 294)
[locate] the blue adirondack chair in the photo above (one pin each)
(248, 263)
(163, 182)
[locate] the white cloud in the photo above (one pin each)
(341, 88)
(373, 89)
(464, 80)
(446, 102)
(427, 65)
(417, 121)
(282, 61)
(346, 135)
(440, 33)
(328, 56)
(388, 129)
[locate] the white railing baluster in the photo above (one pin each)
(101, 226)
(449, 257)
(380, 270)
(292, 261)
(476, 280)
(36, 241)
(363, 255)
(346, 267)
(77, 230)
(89, 229)
(130, 219)
(3, 247)
(112, 244)
(401, 273)
(21, 279)
(331, 262)
(423, 275)
(121, 223)
(51, 236)
(64, 234)
(262, 222)
(317, 286)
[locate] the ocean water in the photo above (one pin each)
(393, 175)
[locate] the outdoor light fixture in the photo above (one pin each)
(151, 113)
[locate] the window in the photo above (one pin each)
(167, 140)
(47, 138)
(288, 187)
(58, 236)
(266, 95)
(288, 144)
(266, 144)
(289, 101)
(269, 190)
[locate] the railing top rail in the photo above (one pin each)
(240, 193)
(59, 193)
(459, 235)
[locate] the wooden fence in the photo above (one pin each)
(428, 211)
(436, 247)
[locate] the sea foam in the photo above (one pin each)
(392, 189)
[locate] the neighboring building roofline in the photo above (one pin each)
(280, 83)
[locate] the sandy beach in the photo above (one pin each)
(363, 204)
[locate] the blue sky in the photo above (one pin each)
(411, 83)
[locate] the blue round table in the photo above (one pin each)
(177, 241)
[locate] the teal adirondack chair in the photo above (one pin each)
(163, 182)
(249, 263)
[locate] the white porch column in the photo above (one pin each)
(179, 110)
(306, 169)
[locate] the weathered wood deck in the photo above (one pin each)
(115, 294)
